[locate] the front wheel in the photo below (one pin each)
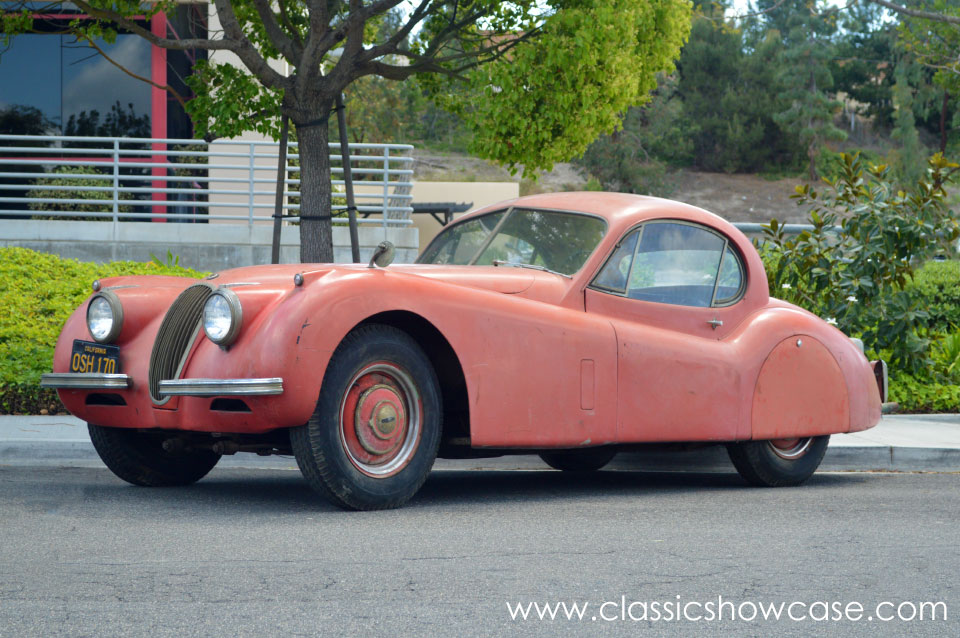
(376, 430)
(139, 458)
(780, 462)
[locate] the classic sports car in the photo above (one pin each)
(571, 325)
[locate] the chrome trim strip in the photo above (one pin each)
(86, 381)
(221, 387)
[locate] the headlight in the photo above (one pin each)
(222, 317)
(105, 317)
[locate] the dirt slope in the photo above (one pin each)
(739, 198)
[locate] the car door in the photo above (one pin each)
(671, 289)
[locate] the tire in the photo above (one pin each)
(781, 463)
(139, 458)
(379, 462)
(587, 460)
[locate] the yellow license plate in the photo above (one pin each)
(98, 358)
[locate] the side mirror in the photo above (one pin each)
(382, 255)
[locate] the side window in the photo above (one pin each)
(730, 281)
(674, 263)
(614, 274)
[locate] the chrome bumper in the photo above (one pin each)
(221, 387)
(86, 381)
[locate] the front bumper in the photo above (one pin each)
(85, 381)
(221, 387)
(173, 387)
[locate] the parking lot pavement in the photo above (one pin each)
(254, 552)
(904, 443)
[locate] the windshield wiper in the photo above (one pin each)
(517, 264)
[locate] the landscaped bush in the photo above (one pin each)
(938, 283)
(858, 275)
(924, 395)
(38, 291)
(864, 276)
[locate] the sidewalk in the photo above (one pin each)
(904, 443)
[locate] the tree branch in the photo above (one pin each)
(284, 43)
(393, 42)
(322, 38)
(432, 64)
(485, 54)
(164, 43)
(916, 13)
(245, 50)
(294, 32)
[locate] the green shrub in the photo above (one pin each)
(946, 357)
(830, 164)
(938, 284)
(922, 395)
(38, 292)
(858, 276)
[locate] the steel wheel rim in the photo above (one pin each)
(790, 449)
(380, 419)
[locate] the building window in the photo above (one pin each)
(56, 85)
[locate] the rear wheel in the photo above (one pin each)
(139, 458)
(780, 462)
(376, 430)
(587, 460)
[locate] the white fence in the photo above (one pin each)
(118, 178)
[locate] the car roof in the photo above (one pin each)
(616, 208)
(623, 211)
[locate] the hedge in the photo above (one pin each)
(938, 282)
(38, 292)
(923, 396)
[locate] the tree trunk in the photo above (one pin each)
(316, 231)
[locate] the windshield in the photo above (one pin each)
(556, 241)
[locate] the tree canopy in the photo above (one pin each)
(536, 80)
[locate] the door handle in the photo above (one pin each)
(715, 323)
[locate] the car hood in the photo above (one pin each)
(507, 280)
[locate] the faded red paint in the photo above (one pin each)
(548, 363)
(800, 391)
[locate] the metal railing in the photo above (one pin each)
(753, 228)
(122, 178)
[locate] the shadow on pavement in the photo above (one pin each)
(225, 491)
(288, 491)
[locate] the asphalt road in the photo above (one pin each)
(255, 553)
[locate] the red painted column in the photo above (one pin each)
(158, 103)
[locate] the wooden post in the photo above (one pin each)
(348, 181)
(281, 183)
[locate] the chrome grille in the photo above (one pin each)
(176, 335)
